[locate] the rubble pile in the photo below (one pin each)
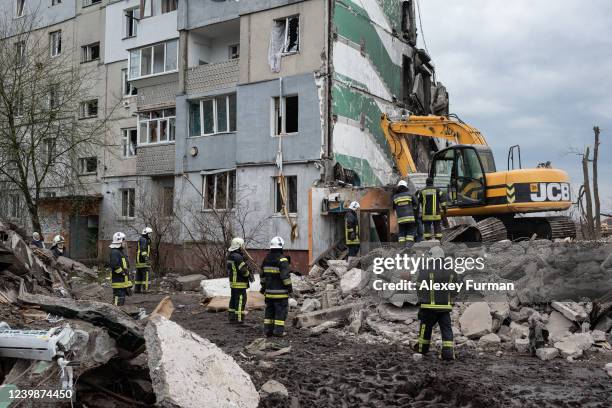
(107, 355)
(561, 305)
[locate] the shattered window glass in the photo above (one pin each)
(292, 34)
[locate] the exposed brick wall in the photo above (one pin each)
(157, 96)
(213, 76)
(155, 160)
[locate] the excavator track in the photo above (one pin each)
(488, 230)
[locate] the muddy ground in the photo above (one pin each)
(333, 371)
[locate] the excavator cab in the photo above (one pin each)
(461, 170)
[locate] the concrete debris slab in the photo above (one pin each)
(400, 299)
(353, 281)
(476, 320)
(571, 310)
(190, 282)
(73, 267)
(292, 303)
(500, 310)
(521, 345)
(189, 371)
(398, 314)
(127, 332)
(300, 285)
(255, 301)
(489, 340)
(558, 326)
(598, 336)
(574, 345)
(416, 357)
(310, 305)
(547, 353)
(165, 308)
(317, 330)
(339, 267)
(91, 291)
(221, 287)
(338, 313)
(518, 331)
(315, 272)
(93, 346)
(271, 387)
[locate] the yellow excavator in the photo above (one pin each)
(466, 171)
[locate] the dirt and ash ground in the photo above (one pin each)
(336, 371)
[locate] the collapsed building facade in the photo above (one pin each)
(214, 102)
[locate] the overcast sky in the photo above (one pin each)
(536, 73)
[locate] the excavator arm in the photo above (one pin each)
(441, 127)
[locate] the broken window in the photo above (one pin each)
(90, 52)
(20, 53)
(407, 79)
(48, 151)
(284, 39)
(129, 142)
(56, 2)
(168, 201)
(127, 89)
(286, 194)
(234, 51)
(131, 22)
(128, 202)
(14, 205)
(89, 109)
(19, 8)
(409, 22)
(54, 97)
(55, 41)
(90, 2)
(157, 126)
(169, 5)
(88, 165)
(286, 115)
(219, 190)
(213, 116)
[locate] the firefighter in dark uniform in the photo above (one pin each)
(239, 277)
(143, 264)
(436, 305)
(276, 287)
(120, 269)
(433, 206)
(406, 210)
(351, 229)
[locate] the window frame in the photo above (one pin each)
(152, 59)
(169, 119)
(299, 39)
(230, 192)
(14, 206)
(215, 117)
(282, 111)
(230, 54)
(49, 150)
(55, 52)
(55, 2)
(126, 214)
(134, 22)
(20, 52)
(83, 162)
(164, 4)
(127, 89)
(125, 142)
(87, 3)
(86, 54)
(276, 196)
(20, 4)
(85, 107)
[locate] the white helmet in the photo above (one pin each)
(118, 238)
(36, 236)
(58, 239)
(147, 231)
(354, 205)
(277, 242)
(237, 243)
(402, 183)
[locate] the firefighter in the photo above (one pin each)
(276, 287)
(58, 248)
(433, 206)
(143, 265)
(37, 241)
(239, 277)
(120, 269)
(435, 303)
(351, 229)
(406, 210)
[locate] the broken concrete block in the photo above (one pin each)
(73, 267)
(489, 340)
(416, 357)
(338, 313)
(400, 299)
(190, 282)
(339, 267)
(518, 331)
(476, 320)
(293, 303)
(271, 387)
(356, 318)
(500, 310)
(398, 314)
(330, 298)
(315, 272)
(127, 332)
(571, 310)
(383, 329)
(574, 345)
(310, 305)
(220, 287)
(317, 330)
(93, 346)
(353, 281)
(189, 371)
(92, 291)
(521, 345)
(547, 353)
(598, 336)
(558, 326)
(504, 333)
(522, 315)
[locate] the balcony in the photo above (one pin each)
(155, 160)
(205, 78)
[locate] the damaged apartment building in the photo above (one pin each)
(216, 101)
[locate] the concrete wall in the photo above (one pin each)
(253, 6)
(199, 13)
(255, 39)
(255, 140)
(44, 14)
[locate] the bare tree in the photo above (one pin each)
(587, 194)
(45, 128)
(596, 184)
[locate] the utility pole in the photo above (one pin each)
(587, 193)
(595, 185)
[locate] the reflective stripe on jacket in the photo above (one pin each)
(120, 268)
(405, 206)
(237, 271)
(275, 277)
(143, 252)
(429, 297)
(432, 203)
(351, 228)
